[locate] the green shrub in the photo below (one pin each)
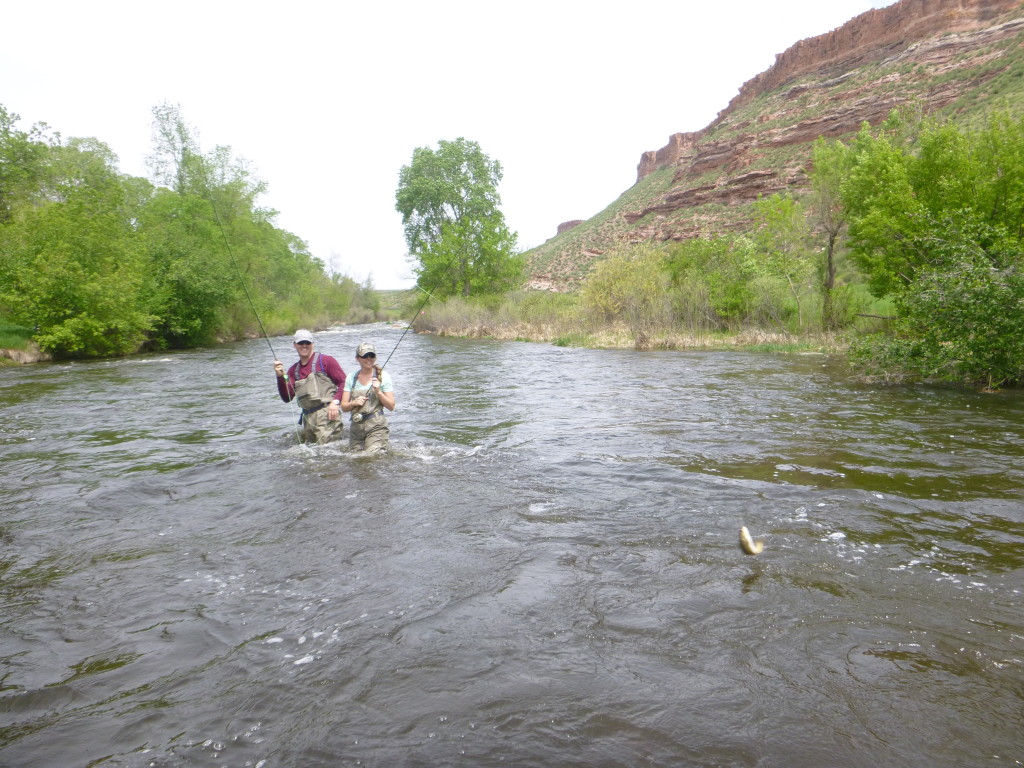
(630, 285)
(772, 305)
(725, 266)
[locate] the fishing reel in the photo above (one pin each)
(377, 376)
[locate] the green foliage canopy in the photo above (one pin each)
(100, 263)
(938, 223)
(71, 265)
(454, 229)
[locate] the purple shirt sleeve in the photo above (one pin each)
(333, 369)
(286, 389)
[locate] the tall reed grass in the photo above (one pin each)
(14, 336)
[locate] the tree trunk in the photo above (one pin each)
(829, 321)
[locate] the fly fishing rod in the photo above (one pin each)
(427, 297)
(231, 255)
(248, 296)
(378, 370)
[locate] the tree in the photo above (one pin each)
(73, 268)
(831, 165)
(175, 161)
(939, 226)
(888, 211)
(783, 236)
(23, 163)
(189, 279)
(454, 228)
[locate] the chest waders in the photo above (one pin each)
(369, 429)
(313, 394)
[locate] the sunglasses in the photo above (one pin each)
(304, 343)
(368, 356)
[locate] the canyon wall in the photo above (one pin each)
(867, 38)
(952, 57)
(870, 37)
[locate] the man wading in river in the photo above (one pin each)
(316, 381)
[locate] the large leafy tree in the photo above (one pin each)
(938, 224)
(23, 163)
(72, 267)
(455, 231)
(219, 265)
(189, 278)
(175, 161)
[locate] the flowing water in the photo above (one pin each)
(543, 570)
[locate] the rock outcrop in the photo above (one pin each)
(934, 54)
(32, 354)
(871, 37)
(924, 32)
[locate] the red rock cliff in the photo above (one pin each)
(947, 56)
(869, 37)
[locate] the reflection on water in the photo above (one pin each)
(543, 570)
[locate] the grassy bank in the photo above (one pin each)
(14, 336)
(560, 319)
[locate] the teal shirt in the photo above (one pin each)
(353, 386)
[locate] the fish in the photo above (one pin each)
(747, 544)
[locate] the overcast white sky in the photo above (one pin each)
(328, 100)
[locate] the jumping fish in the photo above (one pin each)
(747, 544)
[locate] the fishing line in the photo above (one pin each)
(378, 370)
(231, 254)
(429, 295)
(252, 304)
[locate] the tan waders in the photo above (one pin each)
(313, 394)
(369, 429)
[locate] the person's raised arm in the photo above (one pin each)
(285, 388)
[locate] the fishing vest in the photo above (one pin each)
(316, 390)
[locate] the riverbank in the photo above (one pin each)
(621, 337)
(562, 320)
(29, 354)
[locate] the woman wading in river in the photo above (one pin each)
(366, 395)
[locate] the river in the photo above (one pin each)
(542, 571)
